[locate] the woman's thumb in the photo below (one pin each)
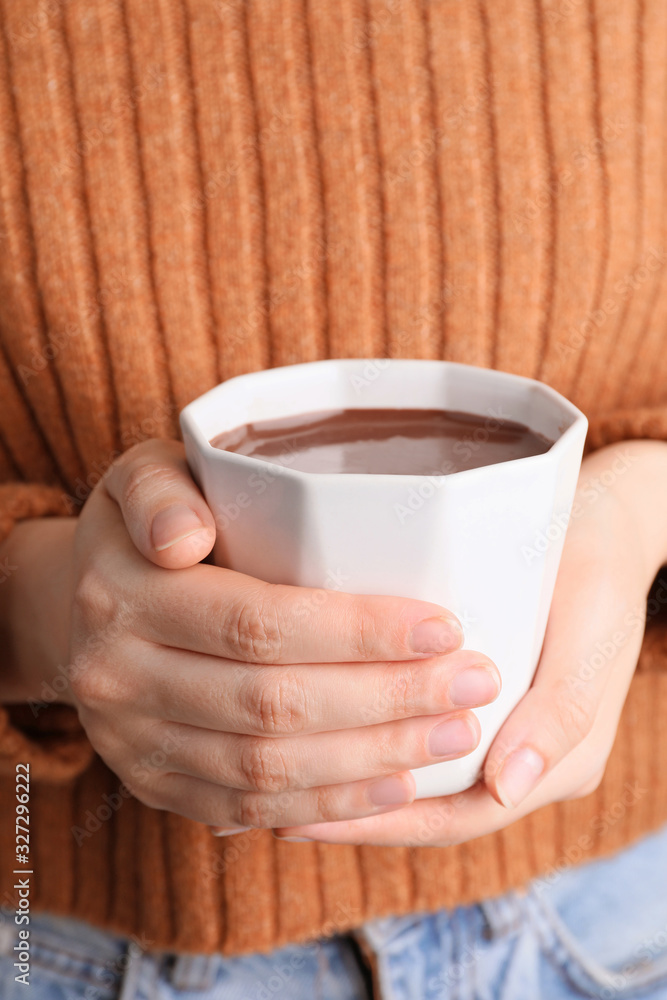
(164, 512)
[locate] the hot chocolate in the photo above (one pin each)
(385, 441)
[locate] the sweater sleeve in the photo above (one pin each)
(623, 425)
(47, 736)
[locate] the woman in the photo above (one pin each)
(196, 190)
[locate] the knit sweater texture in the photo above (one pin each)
(194, 189)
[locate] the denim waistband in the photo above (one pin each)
(503, 915)
(108, 962)
(193, 972)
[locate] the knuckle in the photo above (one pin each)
(276, 705)
(144, 479)
(257, 810)
(263, 766)
(399, 693)
(327, 808)
(94, 600)
(574, 714)
(364, 636)
(94, 686)
(254, 633)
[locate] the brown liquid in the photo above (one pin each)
(395, 441)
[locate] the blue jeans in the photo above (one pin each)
(599, 930)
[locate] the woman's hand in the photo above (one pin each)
(231, 701)
(555, 744)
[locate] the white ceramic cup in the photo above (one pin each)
(483, 543)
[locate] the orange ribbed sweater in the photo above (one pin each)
(193, 189)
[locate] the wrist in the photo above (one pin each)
(634, 473)
(35, 606)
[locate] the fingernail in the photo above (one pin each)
(221, 831)
(454, 736)
(436, 635)
(389, 792)
(173, 524)
(518, 776)
(474, 686)
(293, 840)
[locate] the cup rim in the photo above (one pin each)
(189, 422)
